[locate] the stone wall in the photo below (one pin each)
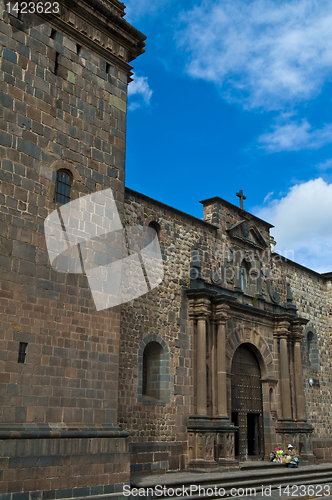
(323, 449)
(63, 92)
(52, 123)
(73, 464)
(162, 312)
(312, 297)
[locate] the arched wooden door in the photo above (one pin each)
(247, 407)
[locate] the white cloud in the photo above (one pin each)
(139, 92)
(262, 53)
(325, 165)
(302, 221)
(294, 136)
(268, 196)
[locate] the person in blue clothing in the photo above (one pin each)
(294, 461)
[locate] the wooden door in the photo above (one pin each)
(247, 408)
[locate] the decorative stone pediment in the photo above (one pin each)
(248, 233)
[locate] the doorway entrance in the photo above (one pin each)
(247, 407)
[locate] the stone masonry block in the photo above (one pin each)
(9, 55)
(28, 148)
(118, 103)
(5, 139)
(6, 100)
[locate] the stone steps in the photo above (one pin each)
(276, 476)
(252, 480)
(255, 465)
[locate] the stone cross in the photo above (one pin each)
(242, 197)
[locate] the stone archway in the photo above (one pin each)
(268, 376)
(239, 336)
(247, 403)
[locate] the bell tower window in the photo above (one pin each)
(63, 187)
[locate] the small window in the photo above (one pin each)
(153, 229)
(22, 352)
(63, 187)
(152, 364)
(153, 371)
(310, 338)
(243, 278)
(312, 349)
(145, 374)
(244, 275)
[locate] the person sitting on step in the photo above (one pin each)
(290, 458)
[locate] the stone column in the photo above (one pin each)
(201, 365)
(290, 347)
(284, 379)
(222, 318)
(213, 366)
(283, 333)
(192, 333)
(298, 377)
(300, 406)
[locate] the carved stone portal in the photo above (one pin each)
(211, 443)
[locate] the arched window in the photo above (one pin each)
(63, 186)
(310, 339)
(312, 350)
(271, 398)
(153, 371)
(152, 364)
(154, 228)
(145, 374)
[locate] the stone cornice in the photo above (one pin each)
(297, 328)
(299, 323)
(96, 26)
(200, 288)
(282, 328)
(210, 424)
(270, 381)
(199, 306)
(221, 313)
(202, 308)
(47, 431)
(114, 5)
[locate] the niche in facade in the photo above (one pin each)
(154, 378)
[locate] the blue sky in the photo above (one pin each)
(236, 94)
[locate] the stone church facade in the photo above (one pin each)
(244, 340)
(227, 358)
